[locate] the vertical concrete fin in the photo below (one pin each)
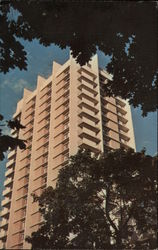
(40, 81)
(26, 93)
(55, 67)
(94, 62)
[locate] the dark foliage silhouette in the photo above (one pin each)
(124, 30)
(105, 203)
(8, 142)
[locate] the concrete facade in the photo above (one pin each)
(67, 111)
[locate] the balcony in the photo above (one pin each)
(89, 107)
(112, 135)
(122, 118)
(46, 98)
(2, 245)
(87, 70)
(84, 121)
(44, 106)
(88, 124)
(23, 182)
(86, 73)
(87, 98)
(64, 76)
(110, 107)
(10, 162)
(29, 118)
(22, 192)
(44, 115)
(65, 85)
(9, 172)
(110, 125)
(24, 171)
(92, 118)
(8, 181)
(88, 134)
(45, 91)
(45, 139)
(30, 110)
(120, 102)
(24, 154)
(114, 145)
(121, 110)
(12, 153)
(41, 171)
(28, 128)
(43, 132)
(5, 201)
(124, 135)
(88, 144)
(124, 143)
(42, 150)
(110, 100)
(4, 222)
(7, 191)
(30, 104)
(87, 80)
(3, 233)
(25, 161)
(41, 161)
(42, 124)
(122, 126)
(4, 212)
(86, 86)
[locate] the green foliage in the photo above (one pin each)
(100, 203)
(7, 142)
(124, 30)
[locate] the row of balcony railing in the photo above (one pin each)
(88, 110)
(3, 233)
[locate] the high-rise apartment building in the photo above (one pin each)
(67, 111)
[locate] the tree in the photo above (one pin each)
(124, 30)
(8, 142)
(100, 203)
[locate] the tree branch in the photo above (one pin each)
(129, 217)
(107, 211)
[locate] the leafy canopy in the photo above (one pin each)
(8, 142)
(124, 30)
(100, 203)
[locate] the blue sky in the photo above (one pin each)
(40, 62)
